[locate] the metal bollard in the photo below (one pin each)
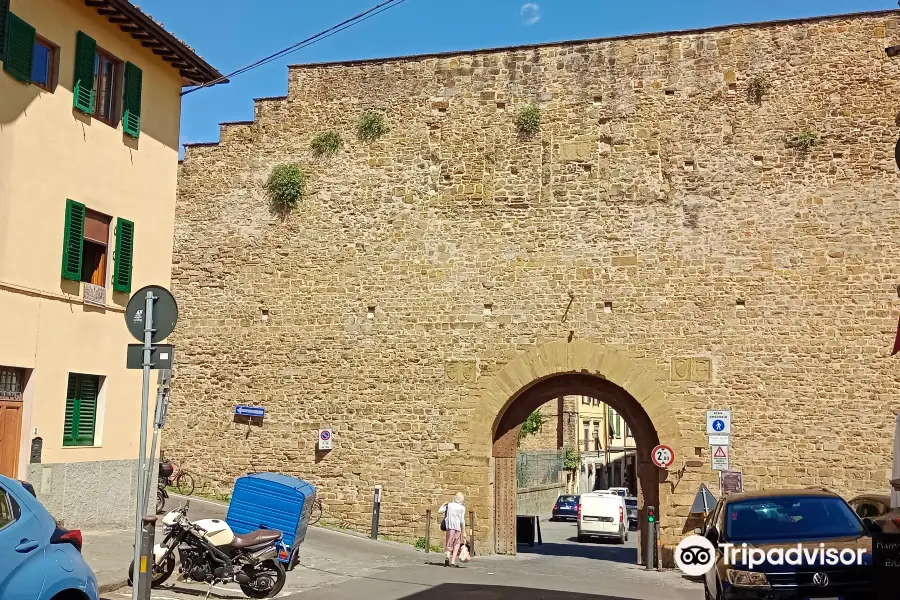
(427, 531)
(650, 553)
(376, 511)
(656, 547)
(144, 576)
(472, 539)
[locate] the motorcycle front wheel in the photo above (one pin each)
(266, 581)
(160, 572)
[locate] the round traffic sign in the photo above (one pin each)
(663, 456)
(718, 425)
(326, 435)
(165, 313)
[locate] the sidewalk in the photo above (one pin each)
(109, 553)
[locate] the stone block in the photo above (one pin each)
(576, 151)
(625, 261)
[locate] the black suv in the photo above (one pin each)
(817, 519)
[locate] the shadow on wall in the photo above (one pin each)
(456, 591)
(19, 97)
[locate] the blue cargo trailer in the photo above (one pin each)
(273, 501)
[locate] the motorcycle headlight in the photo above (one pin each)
(747, 579)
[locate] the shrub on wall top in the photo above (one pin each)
(372, 126)
(284, 188)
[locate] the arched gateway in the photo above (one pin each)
(576, 367)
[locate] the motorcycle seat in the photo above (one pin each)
(256, 538)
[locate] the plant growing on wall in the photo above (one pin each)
(326, 144)
(572, 460)
(804, 140)
(758, 87)
(531, 425)
(372, 126)
(284, 188)
(528, 121)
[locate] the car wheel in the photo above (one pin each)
(626, 535)
(581, 539)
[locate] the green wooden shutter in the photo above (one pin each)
(18, 50)
(4, 11)
(131, 117)
(87, 409)
(73, 240)
(83, 90)
(70, 425)
(124, 255)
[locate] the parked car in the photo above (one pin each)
(631, 507)
(782, 519)
(878, 508)
(566, 507)
(602, 515)
(39, 560)
(619, 491)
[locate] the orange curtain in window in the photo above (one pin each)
(99, 275)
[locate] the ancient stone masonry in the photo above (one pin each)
(659, 218)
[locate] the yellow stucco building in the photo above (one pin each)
(89, 135)
(607, 447)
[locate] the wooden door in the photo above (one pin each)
(505, 505)
(10, 432)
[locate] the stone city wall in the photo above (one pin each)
(740, 247)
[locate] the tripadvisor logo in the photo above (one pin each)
(696, 555)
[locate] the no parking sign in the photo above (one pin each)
(325, 438)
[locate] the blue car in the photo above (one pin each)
(566, 507)
(39, 560)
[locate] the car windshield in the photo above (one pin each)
(790, 517)
(631, 502)
(567, 499)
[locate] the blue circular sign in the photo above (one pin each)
(326, 435)
(719, 425)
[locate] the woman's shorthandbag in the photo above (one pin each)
(444, 520)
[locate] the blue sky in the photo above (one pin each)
(233, 33)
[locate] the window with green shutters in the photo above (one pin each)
(124, 255)
(131, 102)
(18, 48)
(73, 240)
(85, 50)
(81, 410)
(4, 11)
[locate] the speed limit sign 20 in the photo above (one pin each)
(663, 456)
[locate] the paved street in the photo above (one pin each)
(337, 566)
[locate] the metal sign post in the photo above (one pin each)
(150, 316)
(159, 421)
(137, 576)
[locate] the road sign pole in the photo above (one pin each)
(162, 401)
(142, 445)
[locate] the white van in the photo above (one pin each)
(602, 515)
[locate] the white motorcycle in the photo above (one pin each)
(210, 552)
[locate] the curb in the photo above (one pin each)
(116, 584)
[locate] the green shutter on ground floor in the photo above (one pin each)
(73, 240)
(81, 410)
(18, 48)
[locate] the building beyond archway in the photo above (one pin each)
(505, 437)
(574, 368)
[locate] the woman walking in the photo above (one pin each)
(455, 523)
